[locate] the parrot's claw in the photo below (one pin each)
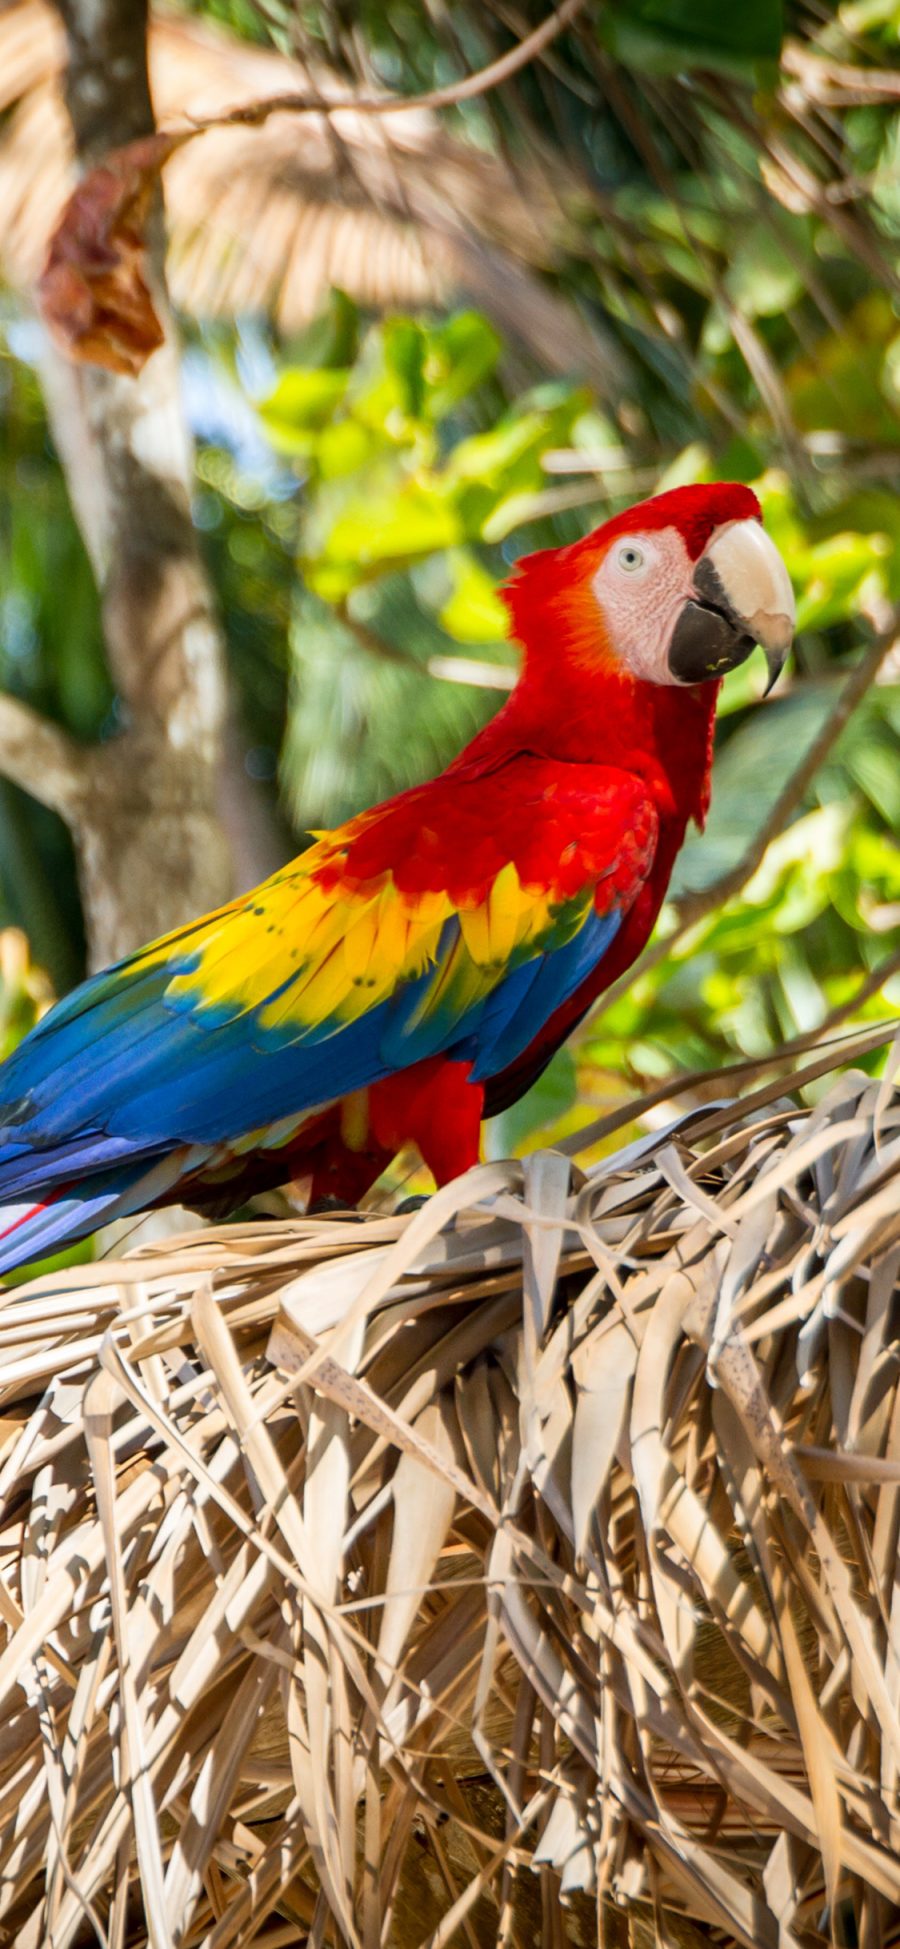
(330, 1207)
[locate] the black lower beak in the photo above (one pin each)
(706, 643)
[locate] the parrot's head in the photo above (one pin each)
(677, 590)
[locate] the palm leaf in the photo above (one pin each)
(352, 1570)
(270, 219)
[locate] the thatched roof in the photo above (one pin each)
(395, 211)
(400, 1580)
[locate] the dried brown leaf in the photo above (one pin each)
(94, 291)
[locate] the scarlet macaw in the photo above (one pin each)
(417, 967)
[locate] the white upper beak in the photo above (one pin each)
(756, 584)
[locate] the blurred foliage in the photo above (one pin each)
(25, 992)
(51, 654)
(660, 33)
(26, 995)
(738, 243)
(410, 457)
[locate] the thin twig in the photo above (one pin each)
(835, 84)
(467, 89)
(693, 907)
(40, 757)
(472, 670)
(252, 114)
(447, 669)
(836, 1050)
(370, 640)
(875, 980)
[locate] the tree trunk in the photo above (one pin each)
(145, 817)
(145, 808)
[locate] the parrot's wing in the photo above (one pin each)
(334, 973)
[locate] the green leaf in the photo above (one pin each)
(748, 776)
(330, 339)
(461, 355)
(474, 613)
(874, 767)
(388, 386)
(847, 384)
(345, 448)
(389, 529)
(833, 575)
(302, 400)
(404, 343)
(765, 275)
(489, 458)
(549, 1098)
(665, 35)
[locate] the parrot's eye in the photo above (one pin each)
(630, 558)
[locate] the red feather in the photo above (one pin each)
(575, 705)
(580, 789)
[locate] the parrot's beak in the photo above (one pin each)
(741, 596)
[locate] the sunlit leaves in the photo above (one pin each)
(392, 476)
(388, 526)
(303, 401)
(473, 612)
(849, 383)
(836, 575)
(796, 943)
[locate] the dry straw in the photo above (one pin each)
(522, 1571)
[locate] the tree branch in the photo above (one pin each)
(467, 89)
(447, 669)
(40, 757)
(472, 670)
(836, 84)
(693, 907)
(252, 114)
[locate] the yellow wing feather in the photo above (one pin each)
(300, 953)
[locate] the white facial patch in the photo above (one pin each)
(641, 586)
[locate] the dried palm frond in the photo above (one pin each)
(392, 1581)
(394, 212)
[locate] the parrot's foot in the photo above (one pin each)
(407, 1205)
(330, 1207)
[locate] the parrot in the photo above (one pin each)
(414, 969)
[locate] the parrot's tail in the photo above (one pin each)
(35, 1226)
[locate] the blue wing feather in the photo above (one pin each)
(150, 1076)
(149, 1070)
